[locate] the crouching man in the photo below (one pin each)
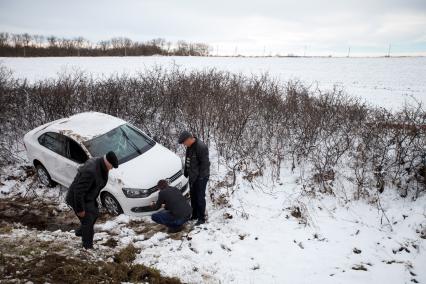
(177, 210)
(91, 178)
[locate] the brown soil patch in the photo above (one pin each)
(54, 267)
(39, 214)
(24, 258)
(146, 229)
(36, 214)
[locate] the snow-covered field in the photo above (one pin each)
(387, 82)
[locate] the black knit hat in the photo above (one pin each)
(112, 159)
(183, 136)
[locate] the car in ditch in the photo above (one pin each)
(58, 148)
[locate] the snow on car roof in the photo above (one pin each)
(87, 125)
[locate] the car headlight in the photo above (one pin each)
(137, 192)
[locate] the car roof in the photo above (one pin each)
(86, 125)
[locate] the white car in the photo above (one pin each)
(58, 148)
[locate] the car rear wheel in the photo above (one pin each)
(111, 204)
(44, 177)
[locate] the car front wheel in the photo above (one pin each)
(44, 177)
(111, 204)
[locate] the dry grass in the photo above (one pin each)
(41, 262)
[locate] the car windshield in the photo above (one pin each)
(126, 141)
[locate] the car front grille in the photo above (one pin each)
(142, 209)
(170, 180)
(175, 176)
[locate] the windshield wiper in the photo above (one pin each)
(131, 142)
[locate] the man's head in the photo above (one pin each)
(111, 160)
(162, 184)
(186, 138)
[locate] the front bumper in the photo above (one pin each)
(140, 207)
(146, 209)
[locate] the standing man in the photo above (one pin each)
(91, 178)
(197, 168)
(177, 210)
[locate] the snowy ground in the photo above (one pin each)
(260, 238)
(387, 82)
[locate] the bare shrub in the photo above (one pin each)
(252, 122)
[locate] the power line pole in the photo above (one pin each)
(349, 51)
(389, 50)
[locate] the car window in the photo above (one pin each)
(75, 152)
(53, 141)
(126, 141)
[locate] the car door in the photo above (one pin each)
(53, 154)
(75, 158)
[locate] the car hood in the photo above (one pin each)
(147, 169)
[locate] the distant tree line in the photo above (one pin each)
(27, 45)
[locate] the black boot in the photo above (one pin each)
(88, 246)
(200, 222)
(78, 232)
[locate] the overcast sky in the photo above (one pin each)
(246, 27)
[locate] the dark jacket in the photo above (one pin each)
(91, 178)
(175, 202)
(197, 163)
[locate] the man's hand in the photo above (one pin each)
(81, 214)
(154, 205)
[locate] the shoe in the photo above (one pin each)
(200, 222)
(193, 218)
(173, 230)
(78, 232)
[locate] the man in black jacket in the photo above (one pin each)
(91, 178)
(197, 169)
(177, 211)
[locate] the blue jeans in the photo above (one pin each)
(166, 218)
